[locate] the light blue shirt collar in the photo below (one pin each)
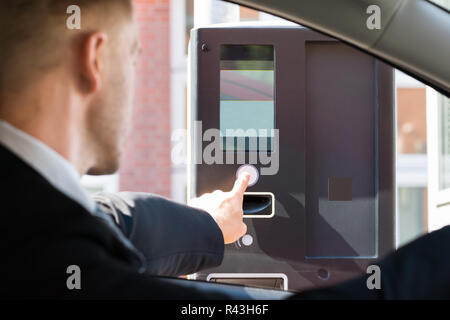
(47, 162)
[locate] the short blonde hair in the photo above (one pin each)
(32, 32)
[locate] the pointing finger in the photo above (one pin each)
(241, 184)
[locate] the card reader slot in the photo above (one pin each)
(258, 205)
(260, 282)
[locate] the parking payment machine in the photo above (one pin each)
(312, 120)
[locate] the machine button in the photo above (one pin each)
(323, 274)
(252, 170)
(247, 240)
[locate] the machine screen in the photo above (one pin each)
(247, 111)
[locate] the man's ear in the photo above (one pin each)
(92, 61)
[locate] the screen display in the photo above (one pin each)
(247, 86)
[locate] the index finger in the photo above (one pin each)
(241, 183)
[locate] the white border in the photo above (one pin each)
(251, 216)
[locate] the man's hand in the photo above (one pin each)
(226, 208)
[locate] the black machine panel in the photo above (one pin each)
(314, 118)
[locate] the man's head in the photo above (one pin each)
(70, 87)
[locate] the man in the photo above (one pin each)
(65, 110)
(65, 105)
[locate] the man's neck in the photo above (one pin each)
(52, 118)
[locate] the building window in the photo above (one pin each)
(412, 219)
(444, 142)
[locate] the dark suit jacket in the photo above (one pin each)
(43, 232)
(173, 238)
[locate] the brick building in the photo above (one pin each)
(146, 163)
